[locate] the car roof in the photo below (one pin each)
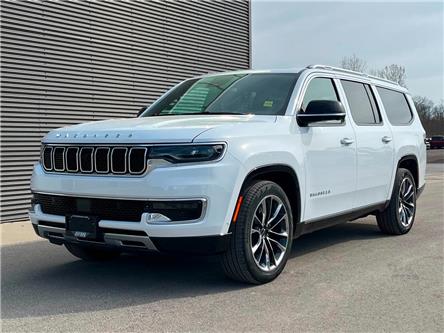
(363, 77)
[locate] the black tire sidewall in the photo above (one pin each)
(267, 188)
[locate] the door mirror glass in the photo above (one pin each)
(331, 112)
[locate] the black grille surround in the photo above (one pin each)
(119, 209)
(100, 160)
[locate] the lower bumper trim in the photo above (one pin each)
(202, 245)
(193, 245)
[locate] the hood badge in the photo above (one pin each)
(75, 135)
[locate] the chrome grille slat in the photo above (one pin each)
(100, 160)
(69, 160)
(58, 156)
(100, 150)
(85, 156)
(133, 160)
(115, 168)
(47, 158)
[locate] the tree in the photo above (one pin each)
(393, 72)
(431, 115)
(354, 63)
(424, 106)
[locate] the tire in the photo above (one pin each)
(399, 215)
(241, 261)
(89, 253)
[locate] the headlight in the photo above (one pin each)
(187, 153)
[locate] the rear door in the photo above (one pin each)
(374, 144)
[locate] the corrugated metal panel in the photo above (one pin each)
(66, 62)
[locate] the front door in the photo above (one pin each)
(330, 158)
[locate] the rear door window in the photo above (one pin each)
(396, 106)
(361, 102)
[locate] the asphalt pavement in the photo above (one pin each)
(349, 278)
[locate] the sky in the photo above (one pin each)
(295, 34)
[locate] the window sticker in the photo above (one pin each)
(268, 104)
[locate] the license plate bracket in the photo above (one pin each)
(83, 227)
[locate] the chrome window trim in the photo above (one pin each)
(124, 158)
(63, 158)
(107, 160)
(92, 160)
(77, 159)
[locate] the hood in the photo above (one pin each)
(164, 129)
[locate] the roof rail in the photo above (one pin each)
(343, 70)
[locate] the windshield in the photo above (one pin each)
(260, 94)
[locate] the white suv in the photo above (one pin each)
(238, 164)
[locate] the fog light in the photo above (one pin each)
(175, 210)
(156, 218)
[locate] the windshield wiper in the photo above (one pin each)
(235, 113)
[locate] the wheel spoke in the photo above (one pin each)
(277, 222)
(257, 245)
(267, 256)
(407, 194)
(408, 211)
(403, 215)
(275, 214)
(271, 251)
(280, 234)
(409, 204)
(279, 245)
(259, 259)
(264, 212)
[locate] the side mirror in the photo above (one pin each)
(142, 110)
(319, 111)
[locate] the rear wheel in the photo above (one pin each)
(89, 253)
(398, 217)
(262, 235)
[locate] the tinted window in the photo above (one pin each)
(319, 89)
(263, 94)
(396, 106)
(361, 102)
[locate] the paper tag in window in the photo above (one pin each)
(268, 104)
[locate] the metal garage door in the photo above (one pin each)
(65, 62)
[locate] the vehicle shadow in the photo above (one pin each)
(41, 279)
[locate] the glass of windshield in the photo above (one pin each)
(256, 93)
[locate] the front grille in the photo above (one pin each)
(119, 210)
(116, 160)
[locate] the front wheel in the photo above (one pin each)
(262, 235)
(398, 217)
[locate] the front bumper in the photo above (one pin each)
(217, 183)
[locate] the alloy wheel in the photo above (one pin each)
(406, 207)
(269, 233)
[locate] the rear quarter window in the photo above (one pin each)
(396, 106)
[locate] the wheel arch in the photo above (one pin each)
(410, 162)
(283, 175)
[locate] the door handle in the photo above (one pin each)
(386, 139)
(347, 141)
